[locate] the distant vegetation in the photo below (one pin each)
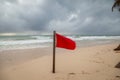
(116, 5)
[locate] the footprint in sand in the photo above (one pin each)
(118, 77)
(83, 72)
(117, 51)
(70, 76)
(71, 73)
(59, 78)
(76, 76)
(97, 71)
(95, 61)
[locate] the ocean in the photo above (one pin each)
(42, 41)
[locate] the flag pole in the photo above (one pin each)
(54, 46)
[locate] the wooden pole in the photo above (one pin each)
(54, 46)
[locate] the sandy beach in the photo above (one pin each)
(87, 63)
(85, 34)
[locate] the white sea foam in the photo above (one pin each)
(23, 42)
(95, 37)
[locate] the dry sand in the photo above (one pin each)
(88, 63)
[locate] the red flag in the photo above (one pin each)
(64, 42)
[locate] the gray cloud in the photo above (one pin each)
(93, 17)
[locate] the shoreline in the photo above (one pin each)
(17, 56)
(80, 43)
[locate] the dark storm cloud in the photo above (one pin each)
(92, 17)
(95, 17)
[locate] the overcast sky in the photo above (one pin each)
(93, 17)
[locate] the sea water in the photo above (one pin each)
(41, 41)
(24, 41)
